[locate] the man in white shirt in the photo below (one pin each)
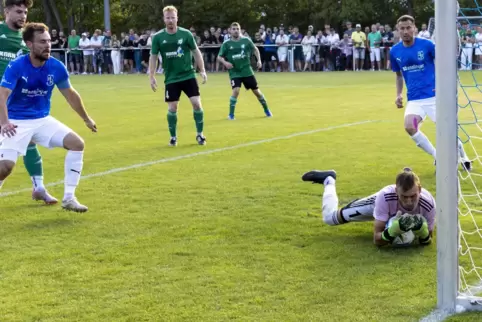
(333, 40)
(84, 44)
(283, 41)
(424, 33)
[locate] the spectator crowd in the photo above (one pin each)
(282, 49)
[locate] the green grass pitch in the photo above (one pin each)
(231, 233)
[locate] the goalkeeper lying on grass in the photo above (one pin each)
(403, 211)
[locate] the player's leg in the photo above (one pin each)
(34, 166)
(171, 97)
(431, 111)
(191, 88)
(358, 210)
(54, 134)
(12, 147)
(235, 86)
(250, 83)
(414, 116)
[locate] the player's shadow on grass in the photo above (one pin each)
(50, 223)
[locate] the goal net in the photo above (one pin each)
(470, 133)
(459, 238)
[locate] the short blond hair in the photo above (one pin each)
(169, 8)
(236, 24)
(406, 18)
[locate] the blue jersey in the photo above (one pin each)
(417, 64)
(32, 87)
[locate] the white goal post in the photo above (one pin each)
(449, 297)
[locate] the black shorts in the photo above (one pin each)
(173, 91)
(248, 82)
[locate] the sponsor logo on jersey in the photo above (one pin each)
(239, 56)
(412, 68)
(175, 54)
(420, 55)
(34, 93)
(7, 55)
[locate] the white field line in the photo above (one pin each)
(195, 154)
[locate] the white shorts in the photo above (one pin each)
(422, 108)
(282, 55)
(39, 131)
(374, 54)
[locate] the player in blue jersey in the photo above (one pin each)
(25, 94)
(413, 60)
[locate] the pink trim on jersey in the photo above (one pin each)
(387, 206)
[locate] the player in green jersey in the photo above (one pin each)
(235, 54)
(11, 46)
(177, 46)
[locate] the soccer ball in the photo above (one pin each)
(404, 239)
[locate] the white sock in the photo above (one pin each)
(38, 182)
(73, 169)
(462, 154)
(424, 143)
(330, 203)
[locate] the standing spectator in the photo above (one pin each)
(334, 53)
(282, 41)
(325, 47)
(467, 50)
(74, 55)
(295, 39)
(97, 55)
(424, 33)
(196, 37)
(375, 40)
(107, 52)
(270, 53)
(144, 52)
(84, 44)
(478, 47)
(349, 29)
(258, 41)
(319, 60)
(137, 54)
(55, 43)
(127, 45)
(346, 49)
(359, 40)
(308, 42)
(64, 45)
(115, 55)
(387, 43)
(206, 43)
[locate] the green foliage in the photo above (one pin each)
(143, 14)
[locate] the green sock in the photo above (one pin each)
(33, 161)
(263, 102)
(232, 105)
(199, 120)
(172, 122)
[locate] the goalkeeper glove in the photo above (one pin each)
(401, 224)
(422, 232)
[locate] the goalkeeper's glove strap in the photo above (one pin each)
(386, 236)
(425, 241)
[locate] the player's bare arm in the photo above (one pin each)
(223, 61)
(378, 228)
(258, 57)
(7, 128)
(75, 101)
(399, 86)
(198, 58)
(152, 71)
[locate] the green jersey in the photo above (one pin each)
(11, 46)
(238, 53)
(375, 39)
(73, 42)
(175, 50)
